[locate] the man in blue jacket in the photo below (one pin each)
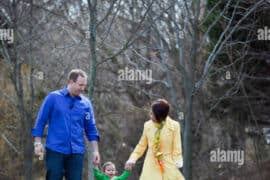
(69, 114)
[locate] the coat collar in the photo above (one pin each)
(168, 123)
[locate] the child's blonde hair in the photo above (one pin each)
(108, 163)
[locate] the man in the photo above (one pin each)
(67, 113)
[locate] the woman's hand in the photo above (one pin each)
(129, 165)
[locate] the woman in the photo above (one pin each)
(161, 135)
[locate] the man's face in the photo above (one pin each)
(76, 88)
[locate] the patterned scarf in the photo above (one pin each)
(157, 146)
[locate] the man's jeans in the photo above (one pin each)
(59, 165)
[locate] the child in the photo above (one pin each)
(109, 172)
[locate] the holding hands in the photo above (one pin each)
(38, 148)
(129, 165)
(96, 158)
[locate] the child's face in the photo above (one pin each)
(110, 171)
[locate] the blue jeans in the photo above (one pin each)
(59, 165)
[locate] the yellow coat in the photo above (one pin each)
(170, 146)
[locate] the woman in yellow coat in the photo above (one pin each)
(161, 135)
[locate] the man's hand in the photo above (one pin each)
(39, 150)
(96, 158)
(95, 153)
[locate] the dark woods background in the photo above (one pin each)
(206, 58)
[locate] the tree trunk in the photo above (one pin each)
(27, 149)
(189, 91)
(92, 70)
(188, 138)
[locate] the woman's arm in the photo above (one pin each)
(140, 148)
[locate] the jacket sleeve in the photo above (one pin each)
(43, 116)
(140, 148)
(177, 146)
(91, 130)
(124, 175)
(97, 174)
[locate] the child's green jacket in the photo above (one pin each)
(100, 176)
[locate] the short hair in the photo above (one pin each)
(160, 109)
(75, 73)
(108, 163)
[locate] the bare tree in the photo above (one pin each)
(14, 62)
